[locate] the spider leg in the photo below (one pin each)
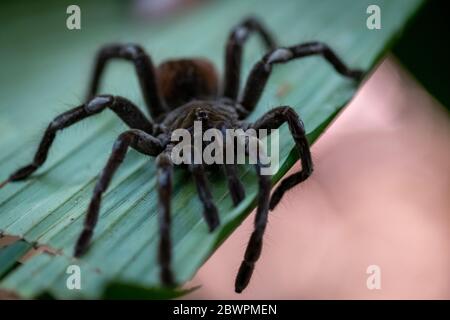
(144, 69)
(261, 71)
(125, 109)
(274, 119)
(235, 186)
(136, 139)
(233, 55)
(210, 212)
(165, 172)
(254, 246)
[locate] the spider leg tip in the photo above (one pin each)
(78, 252)
(239, 286)
(273, 203)
(358, 75)
(4, 183)
(213, 225)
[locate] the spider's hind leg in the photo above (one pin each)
(233, 55)
(259, 75)
(144, 69)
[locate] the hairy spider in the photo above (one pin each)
(177, 93)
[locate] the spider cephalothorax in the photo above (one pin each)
(178, 93)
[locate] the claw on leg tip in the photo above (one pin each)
(4, 183)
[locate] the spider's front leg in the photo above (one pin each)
(210, 212)
(235, 186)
(144, 69)
(136, 139)
(165, 173)
(261, 71)
(273, 120)
(254, 246)
(124, 109)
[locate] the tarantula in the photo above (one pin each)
(177, 93)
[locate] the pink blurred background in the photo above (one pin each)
(380, 195)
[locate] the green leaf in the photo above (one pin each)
(130, 291)
(10, 255)
(47, 72)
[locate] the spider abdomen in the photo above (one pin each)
(183, 80)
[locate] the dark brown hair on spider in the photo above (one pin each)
(176, 94)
